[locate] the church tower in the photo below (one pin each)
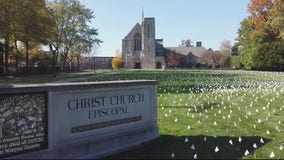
(148, 56)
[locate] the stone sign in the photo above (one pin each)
(76, 120)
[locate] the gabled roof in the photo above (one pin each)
(134, 30)
(196, 51)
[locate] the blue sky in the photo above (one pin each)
(208, 21)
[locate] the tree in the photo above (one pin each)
(84, 42)
(225, 46)
(71, 19)
(173, 59)
(235, 59)
(225, 51)
(117, 62)
(247, 43)
(235, 50)
(79, 50)
(235, 62)
(55, 12)
(210, 58)
(259, 10)
(270, 56)
(71, 29)
(260, 36)
(33, 24)
(59, 23)
(8, 10)
(26, 22)
(1, 58)
(42, 60)
(277, 17)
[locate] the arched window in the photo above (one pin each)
(137, 42)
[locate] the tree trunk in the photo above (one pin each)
(70, 62)
(54, 57)
(27, 56)
(6, 61)
(64, 60)
(17, 58)
(1, 59)
(78, 63)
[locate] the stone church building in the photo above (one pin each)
(141, 49)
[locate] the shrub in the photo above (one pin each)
(235, 62)
(117, 62)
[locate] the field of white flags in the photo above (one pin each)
(214, 114)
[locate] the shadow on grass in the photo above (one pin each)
(196, 147)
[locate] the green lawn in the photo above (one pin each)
(46, 78)
(209, 114)
(214, 114)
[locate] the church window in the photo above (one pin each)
(137, 42)
(148, 31)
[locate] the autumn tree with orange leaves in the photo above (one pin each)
(277, 18)
(267, 18)
(259, 10)
(261, 36)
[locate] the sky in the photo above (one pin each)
(208, 21)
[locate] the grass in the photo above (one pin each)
(214, 114)
(46, 78)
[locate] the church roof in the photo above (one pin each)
(196, 51)
(134, 30)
